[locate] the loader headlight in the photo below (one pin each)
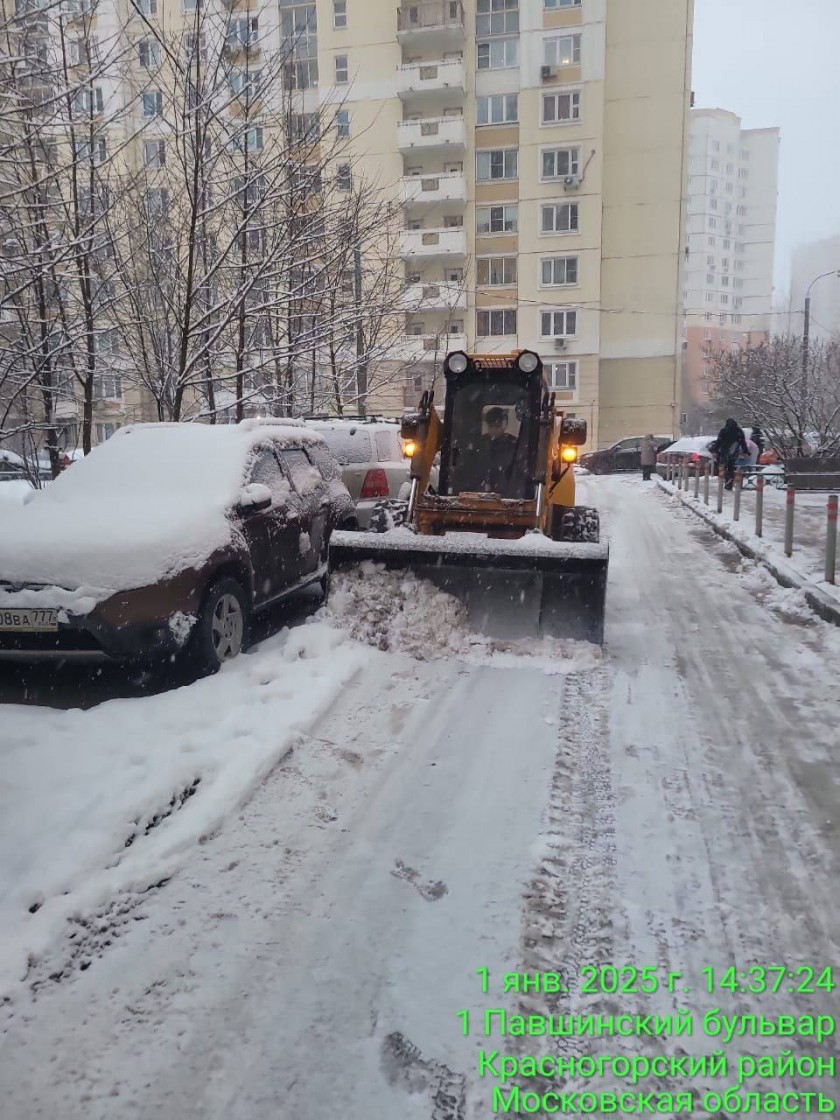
(569, 454)
(457, 362)
(410, 448)
(528, 361)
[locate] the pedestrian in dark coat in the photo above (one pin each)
(649, 450)
(730, 445)
(758, 439)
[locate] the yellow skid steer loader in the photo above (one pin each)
(503, 532)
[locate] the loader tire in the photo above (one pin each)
(579, 524)
(390, 513)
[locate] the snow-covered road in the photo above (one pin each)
(675, 805)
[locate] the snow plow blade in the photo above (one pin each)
(512, 589)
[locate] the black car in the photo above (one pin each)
(168, 539)
(626, 455)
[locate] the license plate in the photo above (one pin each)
(28, 620)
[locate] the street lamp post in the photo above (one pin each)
(806, 335)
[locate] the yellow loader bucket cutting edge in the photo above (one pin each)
(532, 587)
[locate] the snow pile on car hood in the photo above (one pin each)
(400, 613)
(150, 502)
(96, 803)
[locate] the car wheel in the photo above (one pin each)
(222, 628)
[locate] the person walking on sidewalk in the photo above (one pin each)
(649, 452)
(730, 445)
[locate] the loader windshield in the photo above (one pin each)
(491, 444)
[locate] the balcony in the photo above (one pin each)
(428, 244)
(441, 296)
(428, 347)
(432, 134)
(444, 76)
(431, 23)
(425, 190)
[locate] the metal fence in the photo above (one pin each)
(687, 476)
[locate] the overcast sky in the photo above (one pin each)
(777, 63)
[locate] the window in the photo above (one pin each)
(191, 5)
(560, 108)
(497, 17)
(246, 84)
(716, 145)
(724, 264)
(557, 163)
(710, 262)
(497, 54)
(497, 219)
(108, 387)
(499, 163)
(344, 177)
(722, 320)
(724, 299)
(148, 53)
(556, 272)
(105, 431)
(709, 297)
(154, 153)
(496, 271)
(254, 140)
(106, 342)
(558, 324)
(157, 201)
(489, 323)
(305, 126)
(342, 71)
(713, 204)
(710, 278)
(96, 152)
(715, 165)
(553, 5)
(559, 217)
(152, 104)
(501, 108)
(724, 281)
(562, 376)
(712, 242)
(147, 7)
(195, 46)
(339, 14)
(562, 50)
(742, 211)
(712, 223)
(342, 123)
(89, 101)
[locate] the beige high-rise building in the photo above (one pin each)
(538, 147)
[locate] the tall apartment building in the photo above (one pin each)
(732, 202)
(811, 262)
(538, 150)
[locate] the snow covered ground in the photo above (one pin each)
(672, 803)
(808, 559)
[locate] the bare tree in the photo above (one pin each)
(798, 408)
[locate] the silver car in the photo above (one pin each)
(370, 454)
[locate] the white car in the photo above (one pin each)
(15, 483)
(370, 454)
(694, 449)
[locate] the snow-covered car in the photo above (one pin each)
(370, 454)
(695, 449)
(625, 455)
(15, 483)
(167, 538)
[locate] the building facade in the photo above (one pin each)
(811, 262)
(732, 202)
(538, 150)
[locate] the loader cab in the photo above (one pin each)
(491, 426)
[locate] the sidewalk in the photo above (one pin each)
(805, 569)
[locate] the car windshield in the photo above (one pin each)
(490, 448)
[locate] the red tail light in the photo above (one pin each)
(375, 484)
(695, 458)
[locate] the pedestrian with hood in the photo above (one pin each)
(649, 451)
(758, 439)
(730, 445)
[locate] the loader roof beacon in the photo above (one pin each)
(503, 532)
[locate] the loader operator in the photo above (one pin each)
(502, 457)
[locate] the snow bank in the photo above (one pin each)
(398, 612)
(94, 803)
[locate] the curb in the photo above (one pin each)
(822, 604)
